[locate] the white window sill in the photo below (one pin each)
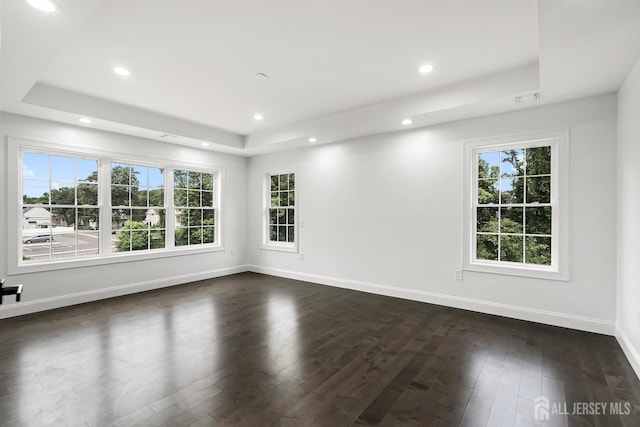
(280, 248)
(528, 271)
(117, 258)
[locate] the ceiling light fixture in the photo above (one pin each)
(85, 120)
(312, 139)
(407, 122)
(426, 68)
(258, 117)
(121, 71)
(205, 144)
(46, 6)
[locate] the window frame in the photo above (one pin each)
(559, 142)
(105, 158)
(268, 244)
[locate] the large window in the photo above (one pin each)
(137, 206)
(60, 213)
(280, 211)
(74, 205)
(194, 198)
(516, 207)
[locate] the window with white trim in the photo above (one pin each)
(76, 206)
(60, 213)
(194, 199)
(516, 207)
(280, 224)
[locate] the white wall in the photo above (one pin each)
(384, 214)
(628, 321)
(63, 287)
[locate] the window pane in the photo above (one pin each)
(180, 197)
(138, 217)
(487, 220)
(538, 220)
(208, 235)
(88, 243)
(512, 162)
(291, 215)
(511, 248)
(194, 198)
(88, 194)
(35, 192)
(487, 247)
(273, 216)
(156, 197)
(511, 220)
(539, 189)
(180, 179)
(538, 250)
(120, 174)
(284, 182)
(195, 236)
(208, 216)
(195, 181)
(157, 239)
(64, 245)
(274, 183)
(154, 218)
(62, 168)
(182, 217)
(87, 170)
(139, 197)
(63, 217)
(284, 198)
(207, 181)
(489, 165)
(282, 234)
(195, 217)
(539, 161)
(139, 176)
(282, 219)
(156, 178)
(139, 240)
(88, 219)
(292, 201)
(119, 217)
(181, 237)
(488, 191)
(290, 234)
(207, 198)
(292, 181)
(120, 195)
(275, 199)
(63, 193)
(512, 190)
(35, 165)
(273, 233)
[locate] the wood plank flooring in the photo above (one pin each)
(255, 350)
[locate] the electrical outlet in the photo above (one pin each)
(458, 274)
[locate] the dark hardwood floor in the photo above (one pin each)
(255, 350)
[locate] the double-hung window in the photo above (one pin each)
(280, 221)
(74, 205)
(516, 206)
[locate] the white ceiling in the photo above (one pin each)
(337, 68)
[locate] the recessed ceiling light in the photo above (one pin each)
(312, 139)
(407, 122)
(84, 120)
(258, 117)
(205, 144)
(426, 68)
(121, 71)
(46, 6)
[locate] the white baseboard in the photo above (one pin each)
(629, 350)
(516, 312)
(82, 297)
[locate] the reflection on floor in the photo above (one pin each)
(256, 350)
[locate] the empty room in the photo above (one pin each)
(319, 213)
